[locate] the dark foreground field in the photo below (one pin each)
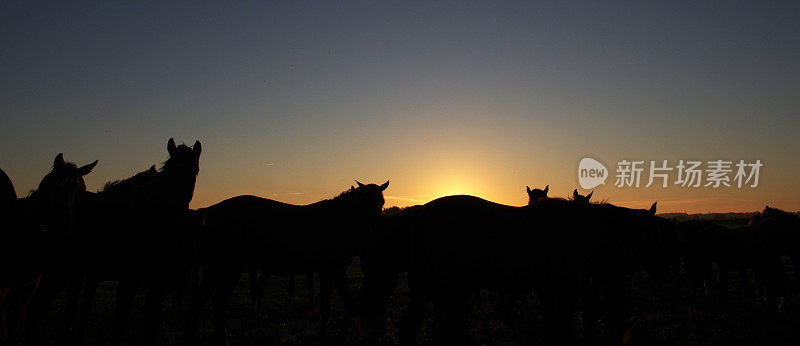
(660, 317)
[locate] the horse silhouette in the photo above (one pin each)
(454, 245)
(131, 232)
(98, 210)
(631, 237)
(37, 224)
(383, 258)
(759, 246)
(776, 234)
(574, 254)
(160, 208)
(283, 239)
(507, 301)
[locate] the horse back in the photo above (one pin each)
(465, 238)
(284, 236)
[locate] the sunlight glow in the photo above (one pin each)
(457, 183)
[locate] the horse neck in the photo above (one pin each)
(176, 190)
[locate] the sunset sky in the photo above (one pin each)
(294, 100)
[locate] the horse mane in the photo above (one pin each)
(345, 193)
(110, 185)
(551, 202)
(606, 203)
(603, 205)
(552, 199)
(342, 196)
(600, 202)
(123, 185)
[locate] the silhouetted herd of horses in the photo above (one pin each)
(576, 256)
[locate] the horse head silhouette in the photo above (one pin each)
(368, 196)
(57, 196)
(577, 198)
(181, 169)
(536, 195)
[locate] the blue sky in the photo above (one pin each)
(293, 100)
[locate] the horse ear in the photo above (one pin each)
(528, 189)
(197, 148)
(653, 208)
(546, 188)
(766, 206)
(171, 146)
(153, 169)
(359, 183)
(59, 161)
(589, 196)
(385, 185)
(575, 194)
(87, 169)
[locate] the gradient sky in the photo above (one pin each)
(294, 100)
